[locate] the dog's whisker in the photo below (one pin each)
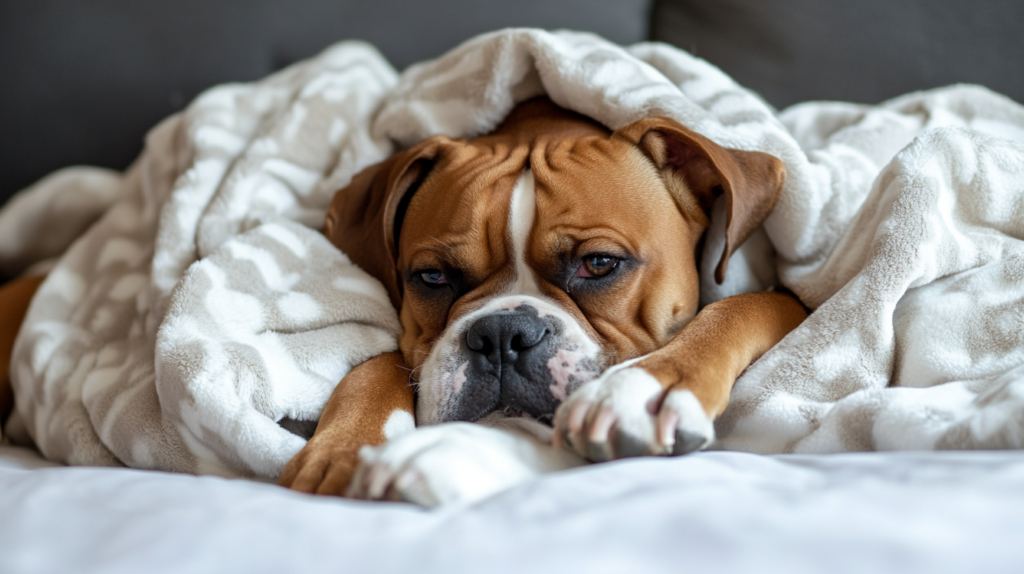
(446, 244)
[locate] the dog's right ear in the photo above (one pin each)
(365, 218)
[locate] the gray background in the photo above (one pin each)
(83, 80)
(863, 51)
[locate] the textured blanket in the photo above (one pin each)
(197, 321)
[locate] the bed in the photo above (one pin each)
(714, 511)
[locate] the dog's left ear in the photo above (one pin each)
(750, 181)
(364, 219)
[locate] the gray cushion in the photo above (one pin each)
(864, 51)
(83, 80)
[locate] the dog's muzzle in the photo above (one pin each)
(508, 353)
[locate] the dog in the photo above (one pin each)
(546, 278)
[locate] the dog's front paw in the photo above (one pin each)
(444, 464)
(622, 414)
(321, 467)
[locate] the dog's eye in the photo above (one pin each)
(434, 277)
(597, 266)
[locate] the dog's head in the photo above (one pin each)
(525, 262)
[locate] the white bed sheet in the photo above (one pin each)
(710, 512)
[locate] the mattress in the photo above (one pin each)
(713, 511)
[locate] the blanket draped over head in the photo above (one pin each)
(196, 320)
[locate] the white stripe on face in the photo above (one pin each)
(521, 212)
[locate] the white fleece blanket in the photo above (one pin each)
(201, 322)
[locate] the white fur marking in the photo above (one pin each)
(521, 213)
(399, 423)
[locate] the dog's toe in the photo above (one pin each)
(691, 428)
(319, 469)
(687, 442)
(627, 445)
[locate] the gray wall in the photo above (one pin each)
(853, 50)
(83, 80)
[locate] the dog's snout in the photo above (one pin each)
(508, 353)
(505, 336)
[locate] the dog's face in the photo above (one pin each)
(539, 277)
(526, 262)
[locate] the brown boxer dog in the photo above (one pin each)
(544, 273)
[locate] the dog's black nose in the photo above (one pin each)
(502, 337)
(508, 364)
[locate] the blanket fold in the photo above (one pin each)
(197, 320)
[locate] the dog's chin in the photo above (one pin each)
(440, 395)
(429, 415)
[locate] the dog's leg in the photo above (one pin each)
(372, 404)
(14, 299)
(459, 462)
(664, 403)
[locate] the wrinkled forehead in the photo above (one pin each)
(461, 208)
(464, 204)
(605, 185)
